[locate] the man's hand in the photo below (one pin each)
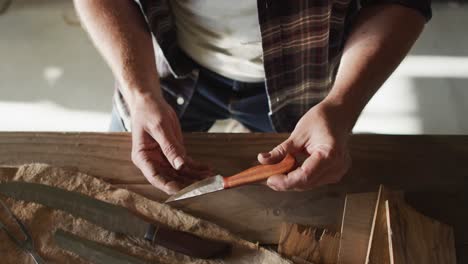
(121, 34)
(380, 38)
(157, 146)
(322, 137)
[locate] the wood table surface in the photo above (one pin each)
(432, 170)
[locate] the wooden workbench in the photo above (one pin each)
(433, 170)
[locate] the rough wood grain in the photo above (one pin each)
(356, 227)
(307, 243)
(329, 246)
(297, 240)
(449, 208)
(419, 164)
(415, 238)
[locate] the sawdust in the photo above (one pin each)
(42, 223)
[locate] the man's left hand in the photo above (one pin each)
(322, 135)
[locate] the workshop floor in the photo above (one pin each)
(51, 77)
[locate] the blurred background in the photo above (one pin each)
(53, 79)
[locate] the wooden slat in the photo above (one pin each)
(413, 163)
(356, 227)
(415, 238)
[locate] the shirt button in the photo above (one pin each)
(277, 99)
(180, 100)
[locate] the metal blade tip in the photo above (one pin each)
(205, 186)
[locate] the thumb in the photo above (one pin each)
(301, 177)
(170, 146)
(278, 153)
(283, 182)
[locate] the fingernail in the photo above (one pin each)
(178, 162)
(265, 155)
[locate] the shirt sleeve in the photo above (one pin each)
(422, 6)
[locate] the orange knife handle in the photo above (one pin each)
(260, 172)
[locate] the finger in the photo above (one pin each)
(170, 146)
(175, 125)
(166, 170)
(332, 174)
(146, 156)
(301, 176)
(178, 132)
(156, 179)
(278, 153)
(193, 171)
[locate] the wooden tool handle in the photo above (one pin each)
(186, 243)
(260, 172)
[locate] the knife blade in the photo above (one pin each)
(91, 250)
(114, 218)
(217, 183)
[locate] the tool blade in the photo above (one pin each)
(91, 250)
(205, 186)
(106, 215)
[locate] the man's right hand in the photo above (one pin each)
(157, 145)
(121, 34)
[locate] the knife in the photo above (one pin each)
(91, 250)
(218, 182)
(114, 218)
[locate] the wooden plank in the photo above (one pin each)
(256, 212)
(307, 243)
(356, 227)
(449, 208)
(396, 161)
(415, 238)
(413, 163)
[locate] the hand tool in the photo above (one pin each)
(26, 244)
(218, 182)
(92, 251)
(114, 218)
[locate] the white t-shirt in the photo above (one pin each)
(221, 36)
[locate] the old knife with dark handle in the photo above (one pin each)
(251, 175)
(114, 218)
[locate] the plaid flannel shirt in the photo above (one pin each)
(302, 44)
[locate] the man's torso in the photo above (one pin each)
(225, 40)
